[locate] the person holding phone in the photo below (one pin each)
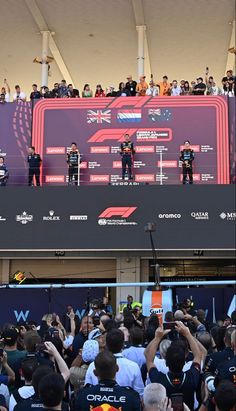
(176, 381)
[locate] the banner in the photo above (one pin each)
(113, 218)
(23, 305)
(157, 126)
(157, 302)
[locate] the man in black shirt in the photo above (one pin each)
(34, 161)
(126, 152)
(187, 157)
(72, 92)
(214, 360)
(107, 392)
(55, 91)
(131, 85)
(4, 173)
(73, 161)
(200, 88)
(176, 381)
(35, 94)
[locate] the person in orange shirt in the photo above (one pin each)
(164, 87)
(141, 87)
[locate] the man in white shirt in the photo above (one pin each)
(175, 89)
(19, 95)
(152, 89)
(129, 374)
(135, 352)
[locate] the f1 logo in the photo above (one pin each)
(117, 211)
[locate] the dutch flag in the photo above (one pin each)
(129, 116)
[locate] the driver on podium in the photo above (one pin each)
(127, 151)
(73, 160)
(187, 157)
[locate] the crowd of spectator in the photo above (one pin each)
(129, 88)
(125, 362)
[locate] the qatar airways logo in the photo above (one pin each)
(122, 212)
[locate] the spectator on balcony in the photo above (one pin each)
(72, 92)
(175, 90)
(111, 92)
(164, 86)
(131, 85)
(87, 92)
(35, 94)
(99, 92)
(152, 89)
(45, 92)
(6, 91)
(4, 173)
(2, 99)
(182, 83)
(19, 95)
(213, 90)
(55, 91)
(193, 84)
(186, 89)
(199, 88)
(123, 91)
(63, 89)
(141, 87)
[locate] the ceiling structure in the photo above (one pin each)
(96, 40)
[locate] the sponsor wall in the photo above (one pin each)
(22, 305)
(157, 126)
(113, 218)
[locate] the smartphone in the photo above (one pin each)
(207, 68)
(1, 352)
(177, 402)
(169, 326)
(96, 321)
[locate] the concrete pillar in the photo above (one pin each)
(45, 49)
(141, 54)
(4, 271)
(127, 270)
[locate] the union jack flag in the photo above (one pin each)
(98, 116)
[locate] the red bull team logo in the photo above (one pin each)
(105, 407)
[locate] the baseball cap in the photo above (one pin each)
(10, 335)
(90, 350)
(94, 334)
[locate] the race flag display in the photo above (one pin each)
(129, 116)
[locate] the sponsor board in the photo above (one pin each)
(78, 217)
(144, 177)
(55, 150)
(124, 212)
(24, 218)
(51, 216)
(200, 215)
(170, 215)
(96, 178)
(54, 179)
(228, 215)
